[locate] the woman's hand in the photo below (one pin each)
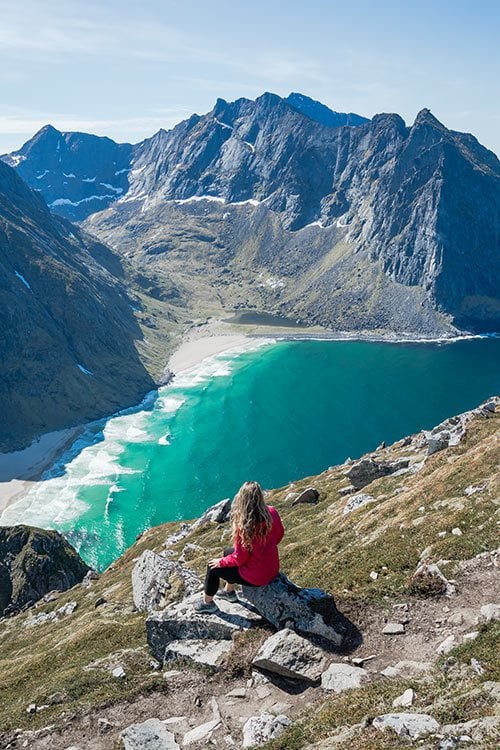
(214, 563)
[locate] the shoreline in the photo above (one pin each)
(21, 470)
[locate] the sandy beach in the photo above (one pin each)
(199, 344)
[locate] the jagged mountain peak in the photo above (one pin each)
(425, 117)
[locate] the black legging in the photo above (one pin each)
(230, 574)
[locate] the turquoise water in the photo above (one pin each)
(278, 413)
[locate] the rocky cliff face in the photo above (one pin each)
(34, 562)
(413, 211)
(67, 351)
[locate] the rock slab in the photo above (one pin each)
(150, 735)
(340, 677)
(407, 725)
(180, 622)
(308, 611)
(290, 655)
(209, 653)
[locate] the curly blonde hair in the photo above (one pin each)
(250, 515)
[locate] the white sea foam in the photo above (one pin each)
(98, 457)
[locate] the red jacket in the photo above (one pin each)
(262, 564)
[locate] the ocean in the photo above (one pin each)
(271, 412)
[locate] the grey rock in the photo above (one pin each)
(290, 655)
(149, 735)
(347, 490)
(260, 729)
(447, 645)
(181, 622)
(407, 725)
(311, 611)
(405, 700)
(151, 578)
(207, 652)
(118, 672)
(340, 677)
(358, 501)
(368, 469)
(490, 612)
(218, 513)
(393, 628)
(477, 729)
(407, 668)
(104, 726)
(309, 495)
(89, 578)
(238, 692)
(201, 732)
(437, 442)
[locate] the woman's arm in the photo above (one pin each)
(236, 558)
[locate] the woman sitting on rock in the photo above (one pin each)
(254, 559)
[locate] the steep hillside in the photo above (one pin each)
(68, 347)
(368, 224)
(440, 504)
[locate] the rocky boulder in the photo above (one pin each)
(309, 495)
(308, 611)
(35, 562)
(260, 729)
(290, 655)
(218, 513)
(340, 677)
(368, 469)
(180, 622)
(153, 577)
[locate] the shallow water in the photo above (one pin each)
(274, 413)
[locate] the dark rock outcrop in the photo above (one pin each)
(368, 469)
(34, 562)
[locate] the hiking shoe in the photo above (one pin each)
(229, 596)
(202, 607)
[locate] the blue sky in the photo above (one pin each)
(124, 69)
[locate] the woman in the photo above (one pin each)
(254, 560)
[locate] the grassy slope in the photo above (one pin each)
(37, 662)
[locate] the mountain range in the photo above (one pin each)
(373, 224)
(269, 206)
